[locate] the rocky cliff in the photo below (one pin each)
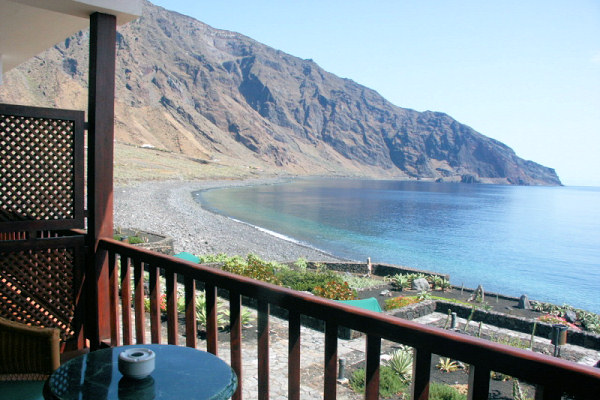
(216, 95)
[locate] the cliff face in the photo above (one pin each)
(217, 95)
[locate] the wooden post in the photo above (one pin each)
(101, 113)
(331, 360)
(373, 350)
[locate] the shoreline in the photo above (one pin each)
(168, 208)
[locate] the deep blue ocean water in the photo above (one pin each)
(541, 241)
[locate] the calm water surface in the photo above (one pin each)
(542, 241)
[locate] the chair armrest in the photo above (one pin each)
(27, 350)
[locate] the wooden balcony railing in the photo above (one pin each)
(552, 376)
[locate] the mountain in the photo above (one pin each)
(218, 96)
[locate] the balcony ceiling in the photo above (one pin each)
(28, 27)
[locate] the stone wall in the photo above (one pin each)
(156, 242)
(378, 269)
(414, 311)
(519, 324)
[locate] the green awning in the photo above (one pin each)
(184, 255)
(370, 304)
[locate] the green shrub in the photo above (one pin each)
(214, 258)
(440, 391)
(135, 240)
(306, 281)
(390, 383)
(301, 264)
(335, 291)
(253, 267)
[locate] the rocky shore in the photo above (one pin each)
(168, 208)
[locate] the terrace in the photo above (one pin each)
(60, 267)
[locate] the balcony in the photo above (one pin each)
(60, 267)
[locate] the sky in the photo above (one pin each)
(526, 73)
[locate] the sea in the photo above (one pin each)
(540, 241)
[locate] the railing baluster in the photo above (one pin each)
(553, 376)
(138, 282)
(172, 323)
(479, 382)
(126, 300)
(235, 325)
(373, 349)
(421, 371)
(263, 350)
(154, 286)
(113, 287)
(294, 356)
(331, 333)
(190, 312)
(211, 319)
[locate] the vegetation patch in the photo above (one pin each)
(336, 291)
(440, 391)
(586, 320)
(405, 280)
(321, 282)
(402, 301)
(390, 383)
(130, 239)
(307, 280)
(253, 267)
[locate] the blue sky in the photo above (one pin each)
(526, 73)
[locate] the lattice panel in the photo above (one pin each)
(37, 174)
(37, 287)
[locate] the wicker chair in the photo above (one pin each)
(28, 355)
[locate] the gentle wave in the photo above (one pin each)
(277, 235)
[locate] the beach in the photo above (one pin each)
(168, 208)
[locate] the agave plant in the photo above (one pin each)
(201, 315)
(436, 281)
(424, 295)
(401, 362)
(245, 316)
(399, 281)
(447, 365)
(445, 284)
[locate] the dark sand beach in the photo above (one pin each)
(168, 208)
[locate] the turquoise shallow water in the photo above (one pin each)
(542, 241)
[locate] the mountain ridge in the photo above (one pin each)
(223, 97)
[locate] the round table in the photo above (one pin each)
(180, 373)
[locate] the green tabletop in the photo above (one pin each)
(180, 373)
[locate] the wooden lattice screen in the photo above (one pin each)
(40, 283)
(41, 198)
(41, 169)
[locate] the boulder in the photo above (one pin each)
(478, 295)
(571, 316)
(420, 285)
(524, 303)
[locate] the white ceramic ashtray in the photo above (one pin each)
(137, 362)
